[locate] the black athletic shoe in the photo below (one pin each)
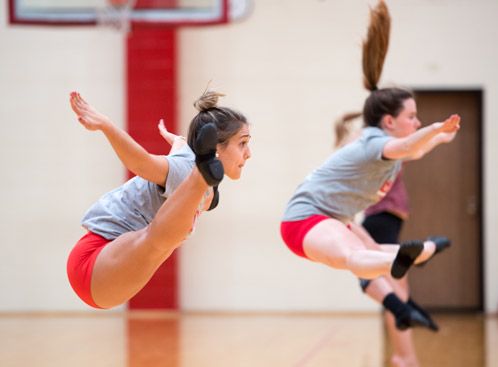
(364, 283)
(407, 253)
(216, 198)
(413, 318)
(432, 324)
(205, 155)
(441, 244)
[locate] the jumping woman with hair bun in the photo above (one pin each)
(133, 229)
(318, 220)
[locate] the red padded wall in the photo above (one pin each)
(151, 95)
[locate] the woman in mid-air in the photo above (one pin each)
(318, 220)
(134, 228)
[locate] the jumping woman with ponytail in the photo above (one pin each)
(133, 229)
(318, 221)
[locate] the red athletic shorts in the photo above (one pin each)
(80, 265)
(293, 232)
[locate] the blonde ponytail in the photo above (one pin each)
(341, 128)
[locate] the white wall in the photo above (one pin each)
(52, 168)
(292, 67)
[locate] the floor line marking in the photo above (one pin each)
(318, 346)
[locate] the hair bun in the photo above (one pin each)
(208, 100)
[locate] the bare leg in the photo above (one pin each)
(402, 341)
(126, 264)
(405, 354)
(331, 243)
(428, 251)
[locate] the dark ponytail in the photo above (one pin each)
(386, 101)
(381, 102)
(375, 45)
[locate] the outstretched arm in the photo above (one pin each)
(176, 141)
(417, 142)
(434, 142)
(148, 166)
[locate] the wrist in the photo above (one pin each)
(179, 137)
(105, 125)
(436, 127)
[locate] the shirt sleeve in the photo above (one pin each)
(180, 165)
(374, 144)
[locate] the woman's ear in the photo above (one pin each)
(387, 122)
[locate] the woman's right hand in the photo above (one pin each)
(451, 125)
(88, 116)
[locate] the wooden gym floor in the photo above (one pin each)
(150, 339)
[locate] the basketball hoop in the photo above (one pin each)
(116, 14)
(122, 15)
(119, 14)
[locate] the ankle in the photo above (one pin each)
(429, 247)
(199, 179)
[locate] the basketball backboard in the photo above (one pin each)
(137, 12)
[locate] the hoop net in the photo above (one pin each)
(116, 14)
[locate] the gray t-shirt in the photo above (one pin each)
(133, 205)
(352, 179)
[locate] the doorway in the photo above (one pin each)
(445, 193)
